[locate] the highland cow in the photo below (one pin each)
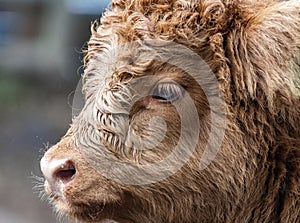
(98, 171)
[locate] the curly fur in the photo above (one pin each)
(253, 48)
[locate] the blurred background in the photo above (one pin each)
(40, 66)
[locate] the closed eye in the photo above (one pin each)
(167, 92)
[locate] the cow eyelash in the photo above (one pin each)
(167, 92)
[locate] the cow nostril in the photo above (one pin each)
(58, 173)
(66, 172)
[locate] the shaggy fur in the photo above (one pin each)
(253, 48)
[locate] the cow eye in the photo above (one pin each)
(167, 92)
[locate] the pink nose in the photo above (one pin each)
(58, 173)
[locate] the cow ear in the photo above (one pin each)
(273, 44)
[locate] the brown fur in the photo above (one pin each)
(253, 49)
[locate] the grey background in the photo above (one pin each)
(40, 65)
